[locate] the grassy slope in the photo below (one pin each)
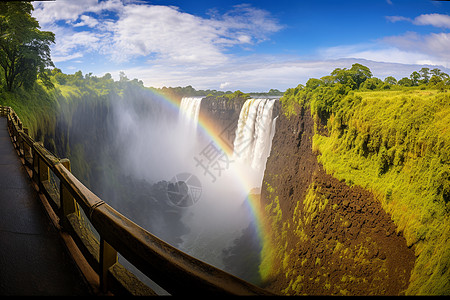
(397, 144)
(36, 108)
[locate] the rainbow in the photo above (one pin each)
(252, 200)
(205, 125)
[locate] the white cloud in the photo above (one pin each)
(170, 34)
(48, 12)
(436, 20)
(382, 53)
(244, 19)
(181, 49)
(258, 73)
(408, 48)
(163, 33)
(86, 21)
(224, 85)
(394, 19)
(432, 47)
(59, 58)
(71, 44)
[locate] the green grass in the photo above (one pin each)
(36, 107)
(397, 144)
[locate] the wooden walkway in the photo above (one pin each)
(33, 259)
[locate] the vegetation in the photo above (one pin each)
(398, 146)
(391, 138)
(24, 49)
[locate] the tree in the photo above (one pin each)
(436, 72)
(434, 80)
(24, 49)
(444, 76)
(414, 78)
(360, 74)
(313, 83)
(390, 80)
(425, 73)
(372, 83)
(405, 81)
(344, 77)
(352, 77)
(123, 77)
(327, 80)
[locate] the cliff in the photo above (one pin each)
(325, 234)
(326, 237)
(222, 114)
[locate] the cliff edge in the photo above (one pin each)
(327, 238)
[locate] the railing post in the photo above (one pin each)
(108, 257)
(68, 203)
(44, 174)
(19, 144)
(25, 146)
(35, 166)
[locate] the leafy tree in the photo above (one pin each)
(344, 77)
(24, 49)
(372, 83)
(434, 80)
(237, 94)
(123, 77)
(352, 77)
(425, 73)
(415, 76)
(327, 80)
(405, 81)
(274, 92)
(436, 72)
(390, 80)
(313, 83)
(360, 74)
(444, 76)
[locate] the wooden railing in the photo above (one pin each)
(173, 270)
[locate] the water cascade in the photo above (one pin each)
(198, 199)
(256, 127)
(189, 112)
(214, 221)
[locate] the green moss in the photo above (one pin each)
(398, 146)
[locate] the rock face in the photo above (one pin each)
(339, 238)
(222, 115)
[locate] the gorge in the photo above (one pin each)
(339, 185)
(294, 223)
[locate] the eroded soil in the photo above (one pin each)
(350, 246)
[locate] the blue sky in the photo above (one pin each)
(247, 45)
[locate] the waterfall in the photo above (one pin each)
(189, 111)
(223, 199)
(254, 133)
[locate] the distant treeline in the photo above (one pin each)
(323, 94)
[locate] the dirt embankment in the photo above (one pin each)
(347, 246)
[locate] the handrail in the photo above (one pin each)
(175, 271)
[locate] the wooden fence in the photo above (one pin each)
(173, 270)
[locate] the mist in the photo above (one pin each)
(159, 146)
(153, 164)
